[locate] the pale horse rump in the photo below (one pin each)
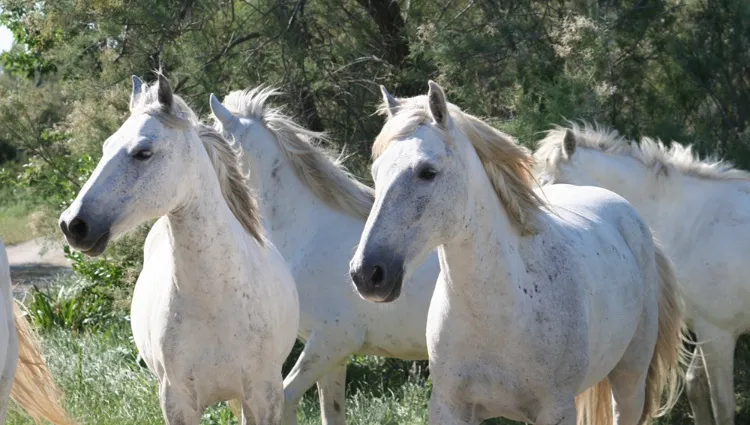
(215, 309)
(315, 211)
(545, 298)
(700, 210)
(24, 376)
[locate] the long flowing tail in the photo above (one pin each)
(594, 406)
(33, 388)
(664, 380)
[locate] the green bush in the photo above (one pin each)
(98, 295)
(75, 306)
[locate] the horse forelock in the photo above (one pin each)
(178, 115)
(508, 165)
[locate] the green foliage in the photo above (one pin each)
(101, 271)
(14, 214)
(28, 62)
(74, 306)
(99, 294)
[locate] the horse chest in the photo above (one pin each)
(168, 324)
(504, 358)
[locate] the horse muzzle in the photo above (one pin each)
(378, 278)
(84, 233)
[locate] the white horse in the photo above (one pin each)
(315, 212)
(537, 301)
(24, 376)
(215, 309)
(700, 210)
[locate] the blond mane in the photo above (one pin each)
(507, 164)
(323, 174)
(225, 157)
(652, 153)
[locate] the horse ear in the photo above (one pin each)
(569, 143)
(390, 101)
(164, 92)
(137, 90)
(438, 105)
(220, 112)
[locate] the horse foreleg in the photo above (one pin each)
(6, 383)
(264, 402)
(332, 395)
(322, 353)
(698, 391)
(178, 407)
(447, 411)
(717, 347)
(8, 371)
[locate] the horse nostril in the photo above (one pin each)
(78, 228)
(378, 275)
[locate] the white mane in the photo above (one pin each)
(650, 152)
(225, 157)
(324, 175)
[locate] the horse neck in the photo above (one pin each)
(208, 242)
(289, 208)
(481, 262)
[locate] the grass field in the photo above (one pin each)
(105, 386)
(14, 224)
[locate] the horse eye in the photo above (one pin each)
(143, 154)
(427, 173)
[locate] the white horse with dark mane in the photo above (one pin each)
(215, 310)
(700, 210)
(542, 297)
(315, 212)
(24, 376)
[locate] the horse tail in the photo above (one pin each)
(664, 379)
(236, 407)
(594, 406)
(33, 387)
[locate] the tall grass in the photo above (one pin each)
(90, 350)
(105, 385)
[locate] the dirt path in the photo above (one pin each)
(36, 262)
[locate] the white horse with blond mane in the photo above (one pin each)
(24, 376)
(700, 210)
(538, 301)
(215, 309)
(315, 212)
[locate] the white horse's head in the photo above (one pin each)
(243, 115)
(429, 154)
(145, 170)
(583, 156)
(273, 142)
